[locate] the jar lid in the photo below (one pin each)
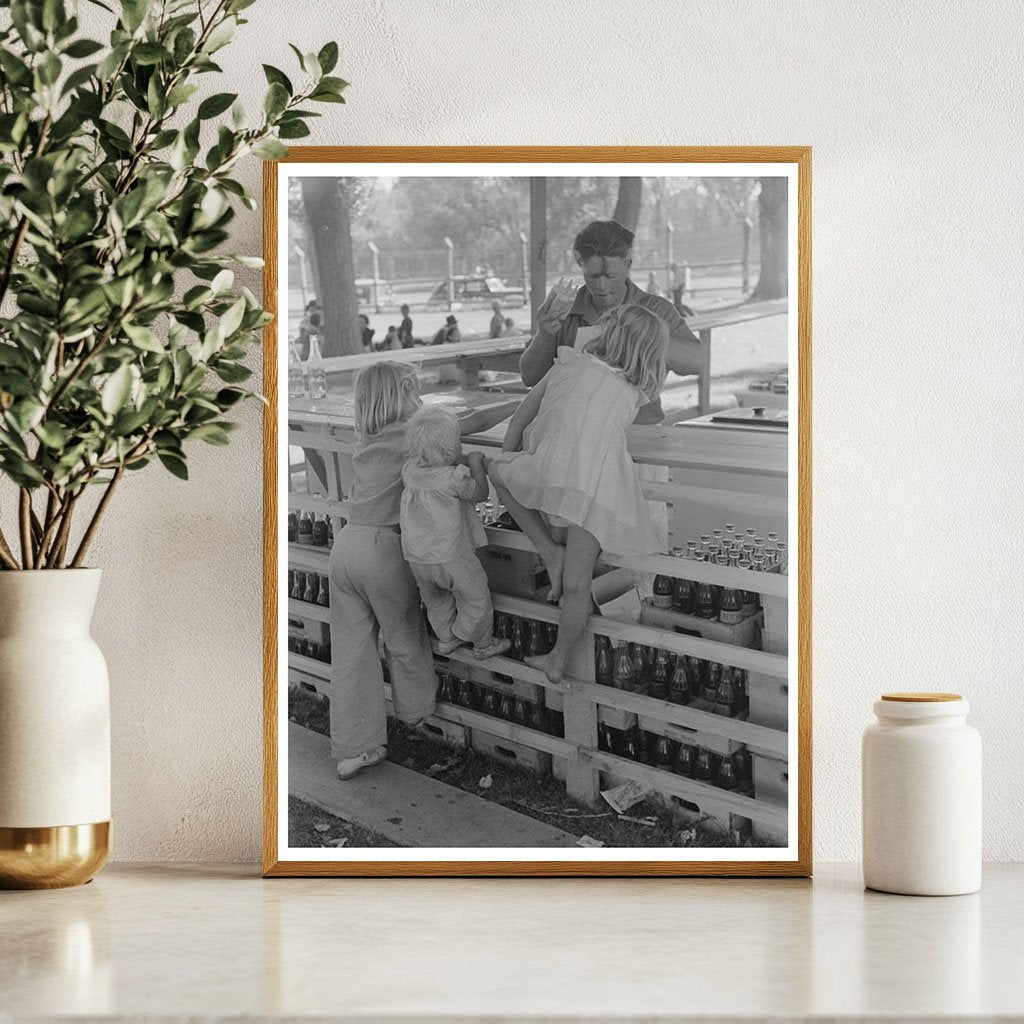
(921, 698)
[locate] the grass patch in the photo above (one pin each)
(308, 826)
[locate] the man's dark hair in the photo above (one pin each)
(605, 238)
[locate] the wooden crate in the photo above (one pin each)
(450, 733)
(769, 701)
(514, 572)
(744, 634)
(509, 752)
(771, 786)
(720, 745)
(775, 636)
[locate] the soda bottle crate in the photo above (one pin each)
(509, 752)
(493, 680)
(708, 813)
(514, 572)
(744, 634)
(308, 628)
(769, 701)
(771, 786)
(720, 745)
(452, 734)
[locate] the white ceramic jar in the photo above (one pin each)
(921, 779)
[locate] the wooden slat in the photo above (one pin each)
(320, 442)
(301, 556)
(688, 789)
(740, 314)
(509, 731)
(305, 610)
(312, 667)
(308, 503)
(430, 355)
(726, 501)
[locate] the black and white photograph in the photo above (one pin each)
(538, 544)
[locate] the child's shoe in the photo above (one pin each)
(445, 647)
(495, 646)
(349, 767)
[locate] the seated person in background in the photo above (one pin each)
(392, 340)
(496, 321)
(449, 334)
(366, 332)
(509, 328)
(441, 532)
(405, 329)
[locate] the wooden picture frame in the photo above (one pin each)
(793, 161)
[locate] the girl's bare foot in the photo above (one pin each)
(546, 663)
(554, 564)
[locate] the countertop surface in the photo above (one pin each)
(175, 942)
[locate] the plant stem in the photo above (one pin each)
(6, 554)
(60, 544)
(25, 523)
(94, 523)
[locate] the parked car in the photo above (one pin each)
(478, 286)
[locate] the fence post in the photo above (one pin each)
(746, 255)
(671, 230)
(372, 246)
(538, 245)
(686, 278)
(525, 252)
(451, 271)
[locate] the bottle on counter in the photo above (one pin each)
(712, 681)
(320, 530)
(304, 534)
(706, 601)
(679, 689)
(324, 596)
(641, 670)
(312, 589)
(315, 371)
(296, 374)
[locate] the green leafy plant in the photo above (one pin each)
(124, 334)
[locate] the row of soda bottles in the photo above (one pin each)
(663, 675)
(311, 587)
(728, 547)
(309, 377)
(310, 530)
(687, 759)
(310, 648)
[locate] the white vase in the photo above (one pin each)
(54, 731)
(921, 776)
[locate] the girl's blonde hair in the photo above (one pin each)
(634, 340)
(432, 437)
(385, 393)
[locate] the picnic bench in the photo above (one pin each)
(502, 354)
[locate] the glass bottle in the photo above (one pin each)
(726, 776)
(520, 714)
(312, 591)
(686, 760)
(691, 550)
(537, 719)
(645, 746)
(603, 661)
(706, 602)
(663, 754)
(444, 690)
(551, 634)
(679, 691)
(298, 586)
(296, 375)
(743, 767)
(631, 747)
(663, 589)
(489, 703)
(305, 530)
(315, 368)
(705, 771)
(607, 739)
(534, 639)
(712, 681)
(516, 636)
(505, 708)
(730, 607)
(320, 531)
(725, 696)
(684, 596)
(660, 675)
(324, 596)
(748, 598)
(623, 676)
(641, 669)
(293, 527)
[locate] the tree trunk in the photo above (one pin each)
(627, 207)
(774, 220)
(330, 229)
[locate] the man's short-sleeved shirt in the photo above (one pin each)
(439, 523)
(583, 314)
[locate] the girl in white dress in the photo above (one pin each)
(574, 470)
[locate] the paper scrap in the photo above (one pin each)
(486, 782)
(588, 841)
(621, 798)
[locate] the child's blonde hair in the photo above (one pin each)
(432, 437)
(634, 340)
(385, 393)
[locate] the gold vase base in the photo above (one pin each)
(52, 857)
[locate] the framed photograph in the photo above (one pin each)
(537, 511)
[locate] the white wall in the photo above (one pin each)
(914, 113)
